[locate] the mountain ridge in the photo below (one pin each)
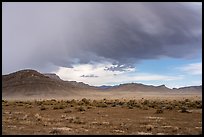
(33, 83)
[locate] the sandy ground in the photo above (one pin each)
(108, 95)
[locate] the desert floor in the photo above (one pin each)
(105, 116)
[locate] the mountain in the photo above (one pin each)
(52, 76)
(105, 87)
(190, 88)
(73, 83)
(30, 83)
(30, 80)
(139, 87)
(80, 85)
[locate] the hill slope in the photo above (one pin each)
(32, 84)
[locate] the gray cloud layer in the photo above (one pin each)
(46, 35)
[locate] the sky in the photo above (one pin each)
(105, 43)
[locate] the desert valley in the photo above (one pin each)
(102, 68)
(35, 103)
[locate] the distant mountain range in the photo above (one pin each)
(27, 83)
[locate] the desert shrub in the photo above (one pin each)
(176, 107)
(55, 131)
(199, 106)
(86, 101)
(161, 106)
(121, 103)
(103, 105)
(10, 103)
(20, 104)
(38, 117)
(108, 102)
(124, 105)
(183, 102)
(15, 102)
(68, 101)
(49, 102)
(169, 107)
(192, 105)
(28, 106)
(73, 102)
(55, 107)
(198, 101)
(59, 106)
(62, 107)
(81, 108)
(80, 103)
(94, 103)
(39, 103)
(28, 103)
(184, 109)
(113, 105)
(105, 100)
(146, 102)
(53, 100)
(154, 104)
(116, 102)
(187, 100)
(68, 111)
(43, 108)
(145, 108)
(151, 105)
(78, 121)
(149, 127)
(130, 107)
(89, 107)
(138, 106)
(25, 117)
(70, 119)
(175, 129)
(159, 111)
(131, 103)
(63, 102)
(4, 101)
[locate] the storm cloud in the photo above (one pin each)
(45, 36)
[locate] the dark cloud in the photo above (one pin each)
(89, 76)
(39, 35)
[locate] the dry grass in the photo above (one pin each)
(142, 104)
